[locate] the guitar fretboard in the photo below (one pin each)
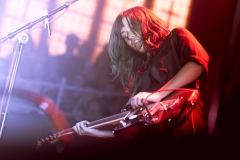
(108, 120)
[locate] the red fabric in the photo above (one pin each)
(192, 124)
(179, 47)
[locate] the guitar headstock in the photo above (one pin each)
(48, 140)
(54, 138)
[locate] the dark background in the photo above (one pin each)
(216, 25)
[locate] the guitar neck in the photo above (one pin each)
(108, 120)
(115, 119)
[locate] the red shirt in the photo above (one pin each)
(179, 47)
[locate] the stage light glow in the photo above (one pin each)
(79, 19)
(173, 12)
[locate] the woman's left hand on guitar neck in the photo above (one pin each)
(81, 129)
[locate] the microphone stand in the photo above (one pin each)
(22, 40)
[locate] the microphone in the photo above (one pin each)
(46, 21)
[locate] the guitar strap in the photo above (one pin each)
(136, 87)
(133, 93)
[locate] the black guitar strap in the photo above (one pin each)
(133, 93)
(128, 106)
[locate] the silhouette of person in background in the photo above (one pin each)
(85, 65)
(68, 64)
(102, 71)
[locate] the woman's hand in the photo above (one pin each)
(144, 98)
(81, 129)
(189, 72)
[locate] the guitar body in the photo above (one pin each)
(163, 119)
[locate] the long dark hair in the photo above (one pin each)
(125, 62)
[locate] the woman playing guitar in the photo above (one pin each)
(152, 60)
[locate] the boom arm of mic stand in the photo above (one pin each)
(31, 24)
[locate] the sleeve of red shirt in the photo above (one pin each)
(189, 49)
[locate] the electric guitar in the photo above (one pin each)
(131, 122)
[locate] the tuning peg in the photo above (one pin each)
(47, 139)
(55, 135)
(39, 143)
(51, 137)
(43, 141)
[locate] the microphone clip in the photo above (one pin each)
(46, 21)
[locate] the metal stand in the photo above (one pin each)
(22, 40)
